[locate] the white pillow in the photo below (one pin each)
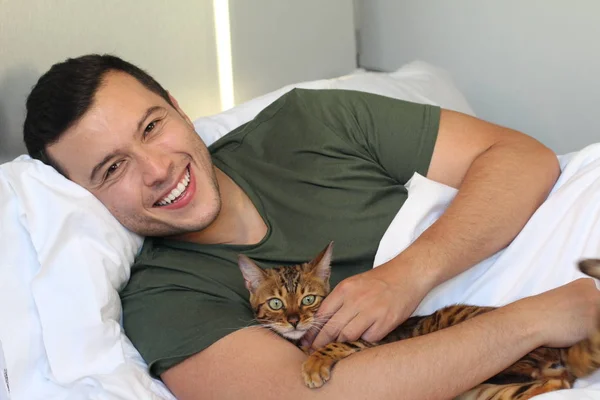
(67, 258)
(20, 329)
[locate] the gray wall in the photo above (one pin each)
(273, 40)
(274, 43)
(532, 65)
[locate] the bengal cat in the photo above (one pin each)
(285, 299)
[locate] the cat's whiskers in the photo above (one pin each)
(322, 321)
(250, 321)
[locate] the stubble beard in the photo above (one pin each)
(148, 226)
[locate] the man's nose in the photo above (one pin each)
(156, 168)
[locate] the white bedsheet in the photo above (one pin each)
(542, 257)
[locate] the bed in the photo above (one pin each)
(64, 257)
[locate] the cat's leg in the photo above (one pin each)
(541, 363)
(514, 391)
(583, 357)
(316, 370)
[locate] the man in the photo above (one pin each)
(312, 167)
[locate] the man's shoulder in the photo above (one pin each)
(324, 96)
(307, 96)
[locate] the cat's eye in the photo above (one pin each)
(308, 300)
(275, 304)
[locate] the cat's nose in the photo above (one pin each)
(293, 320)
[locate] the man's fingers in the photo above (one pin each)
(310, 336)
(320, 319)
(333, 327)
(376, 332)
(355, 328)
(330, 305)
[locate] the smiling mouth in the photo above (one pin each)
(178, 191)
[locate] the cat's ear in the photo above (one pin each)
(322, 263)
(253, 274)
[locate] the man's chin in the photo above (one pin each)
(166, 224)
(180, 231)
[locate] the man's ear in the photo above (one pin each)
(253, 274)
(179, 110)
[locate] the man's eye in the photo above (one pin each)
(150, 128)
(112, 169)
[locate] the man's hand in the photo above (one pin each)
(369, 305)
(564, 315)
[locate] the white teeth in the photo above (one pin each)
(177, 191)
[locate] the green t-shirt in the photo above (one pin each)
(319, 165)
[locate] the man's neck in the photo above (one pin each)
(238, 222)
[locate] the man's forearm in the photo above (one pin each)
(500, 191)
(257, 365)
(440, 365)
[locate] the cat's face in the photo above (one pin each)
(286, 298)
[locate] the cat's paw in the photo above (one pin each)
(316, 370)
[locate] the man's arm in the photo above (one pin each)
(255, 364)
(502, 176)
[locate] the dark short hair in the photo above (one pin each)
(65, 93)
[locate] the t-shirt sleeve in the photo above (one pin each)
(168, 321)
(399, 135)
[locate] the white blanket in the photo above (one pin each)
(542, 257)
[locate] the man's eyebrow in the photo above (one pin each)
(148, 112)
(99, 166)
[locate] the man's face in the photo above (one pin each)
(142, 159)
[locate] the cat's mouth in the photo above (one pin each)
(289, 332)
(294, 334)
